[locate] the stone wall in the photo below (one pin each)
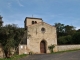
(67, 47)
(22, 49)
(2, 53)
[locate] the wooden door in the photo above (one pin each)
(42, 47)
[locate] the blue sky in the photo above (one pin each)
(51, 11)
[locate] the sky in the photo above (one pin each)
(51, 11)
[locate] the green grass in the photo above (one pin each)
(67, 51)
(15, 57)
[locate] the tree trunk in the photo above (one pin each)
(7, 53)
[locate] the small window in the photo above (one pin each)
(35, 22)
(43, 30)
(32, 22)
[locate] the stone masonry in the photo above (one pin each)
(37, 34)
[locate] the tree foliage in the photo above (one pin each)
(60, 29)
(65, 39)
(76, 38)
(65, 33)
(10, 37)
(69, 30)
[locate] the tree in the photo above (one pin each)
(65, 40)
(69, 30)
(10, 37)
(6, 40)
(1, 21)
(76, 38)
(64, 33)
(60, 29)
(78, 30)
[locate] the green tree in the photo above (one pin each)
(78, 30)
(76, 38)
(69, 30)
(10, 37)
(65, 40)
(6, 40)
(60, 29)
(64, 33)
(1, 22)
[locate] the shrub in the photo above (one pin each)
(51, 48)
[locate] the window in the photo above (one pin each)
(43, 30)
(32, 22)
(35, 22)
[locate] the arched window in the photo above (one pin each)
(33, 22)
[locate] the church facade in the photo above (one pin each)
(39, 36)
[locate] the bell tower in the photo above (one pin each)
(31, 20)
(1, 22)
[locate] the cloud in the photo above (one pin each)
(18, 1)
(77, 28)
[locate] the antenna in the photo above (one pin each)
(32, 15)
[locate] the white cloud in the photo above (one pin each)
(18, 1)
(77, 28)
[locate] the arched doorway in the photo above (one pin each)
(43, 46)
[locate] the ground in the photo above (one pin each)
(74, 55)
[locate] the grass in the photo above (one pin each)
(15, 57)
(66, 51)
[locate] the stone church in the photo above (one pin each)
(38, 36)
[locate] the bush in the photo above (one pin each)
(65, 40)
(51, 48)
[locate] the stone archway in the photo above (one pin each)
(43, 46)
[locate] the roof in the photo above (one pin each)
(33, 18)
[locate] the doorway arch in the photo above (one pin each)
(43, 46)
